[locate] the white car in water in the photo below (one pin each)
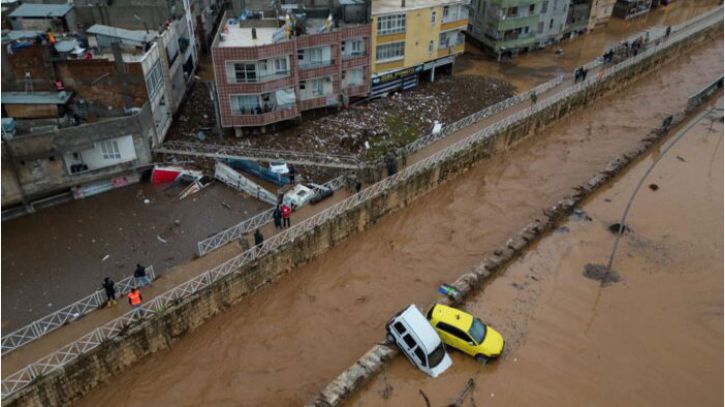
(419, 341)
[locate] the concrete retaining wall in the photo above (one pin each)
(81, 375)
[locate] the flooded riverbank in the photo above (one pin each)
(653, 338)
(286, 341)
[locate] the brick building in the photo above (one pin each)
(267, 73)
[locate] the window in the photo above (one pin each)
(244, 104)
(544, 7)
(541, 26)
(154, 80)
(420, 355)
(551, 23)
(391, 51)
(446, 10)
(352, 77)
(399, 327)
(318, 87)
(356, 47)
(433, 17)
(532, 8)
(409, 340)
(110, 150)
(280, 66)
(244, 73)
(430, 47)
(391, 24)
(453, 331)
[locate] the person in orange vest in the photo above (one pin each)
(135, 298)
(286, 213)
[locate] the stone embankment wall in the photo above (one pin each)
(78, 377)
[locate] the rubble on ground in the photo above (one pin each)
(446, 100)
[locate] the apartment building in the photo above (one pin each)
(411, 38)
(552, 21)
(507, 27)
(267, 73)
(577, 20)
(600, 13)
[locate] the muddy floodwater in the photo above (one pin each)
(653, 338)
(62, 254)
(281, 345)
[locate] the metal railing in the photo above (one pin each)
(235, 232)
(220, 151)
(65, 315)
(161, 303)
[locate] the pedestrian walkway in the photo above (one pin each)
(177, 275)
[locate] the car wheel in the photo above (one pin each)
(390, 338)
(481, 359)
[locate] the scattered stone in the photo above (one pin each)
(618, 228)
(517, 286)
(654, 187)
(599, 272)
(562, 229)
(681, 159)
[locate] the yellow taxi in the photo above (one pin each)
(463, 331)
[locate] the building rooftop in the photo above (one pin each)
(235, 36)
(19, 35)
(394, 6)
(137, 36)
(35, 98)
(41, 10)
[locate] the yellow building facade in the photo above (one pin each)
(411, 38)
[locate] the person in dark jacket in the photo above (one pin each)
(258, 238)
(292, 174)
(140, 276)
(277, 216)
(109, 286)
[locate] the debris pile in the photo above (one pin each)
(446, 100)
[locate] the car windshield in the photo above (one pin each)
(436, 356)
(477, 331)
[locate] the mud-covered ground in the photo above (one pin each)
(445, 100)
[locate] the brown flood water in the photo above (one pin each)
(284, 343)
(533, 68)
(654, 338)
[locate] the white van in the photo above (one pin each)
(419, 341)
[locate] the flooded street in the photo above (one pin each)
(56, 256)
(653, 338)
(530, 69)
(284, 343)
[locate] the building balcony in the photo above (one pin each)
(353, 55)
(515, 3)
(262, 87)
(263, 78)
(282, 112)
(315, 64)
(317, 102)
(514, 22)
(521, 41)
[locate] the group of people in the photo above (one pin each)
(135, 298)
(282, 216)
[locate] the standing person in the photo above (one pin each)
(277, 216)
(292, 174)
(668, 31)
(140, 276)
(584, 74)
(258, 237)
(134, 300)
(358, 187)
(110, 288)
(533, 98)
(286, 213)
